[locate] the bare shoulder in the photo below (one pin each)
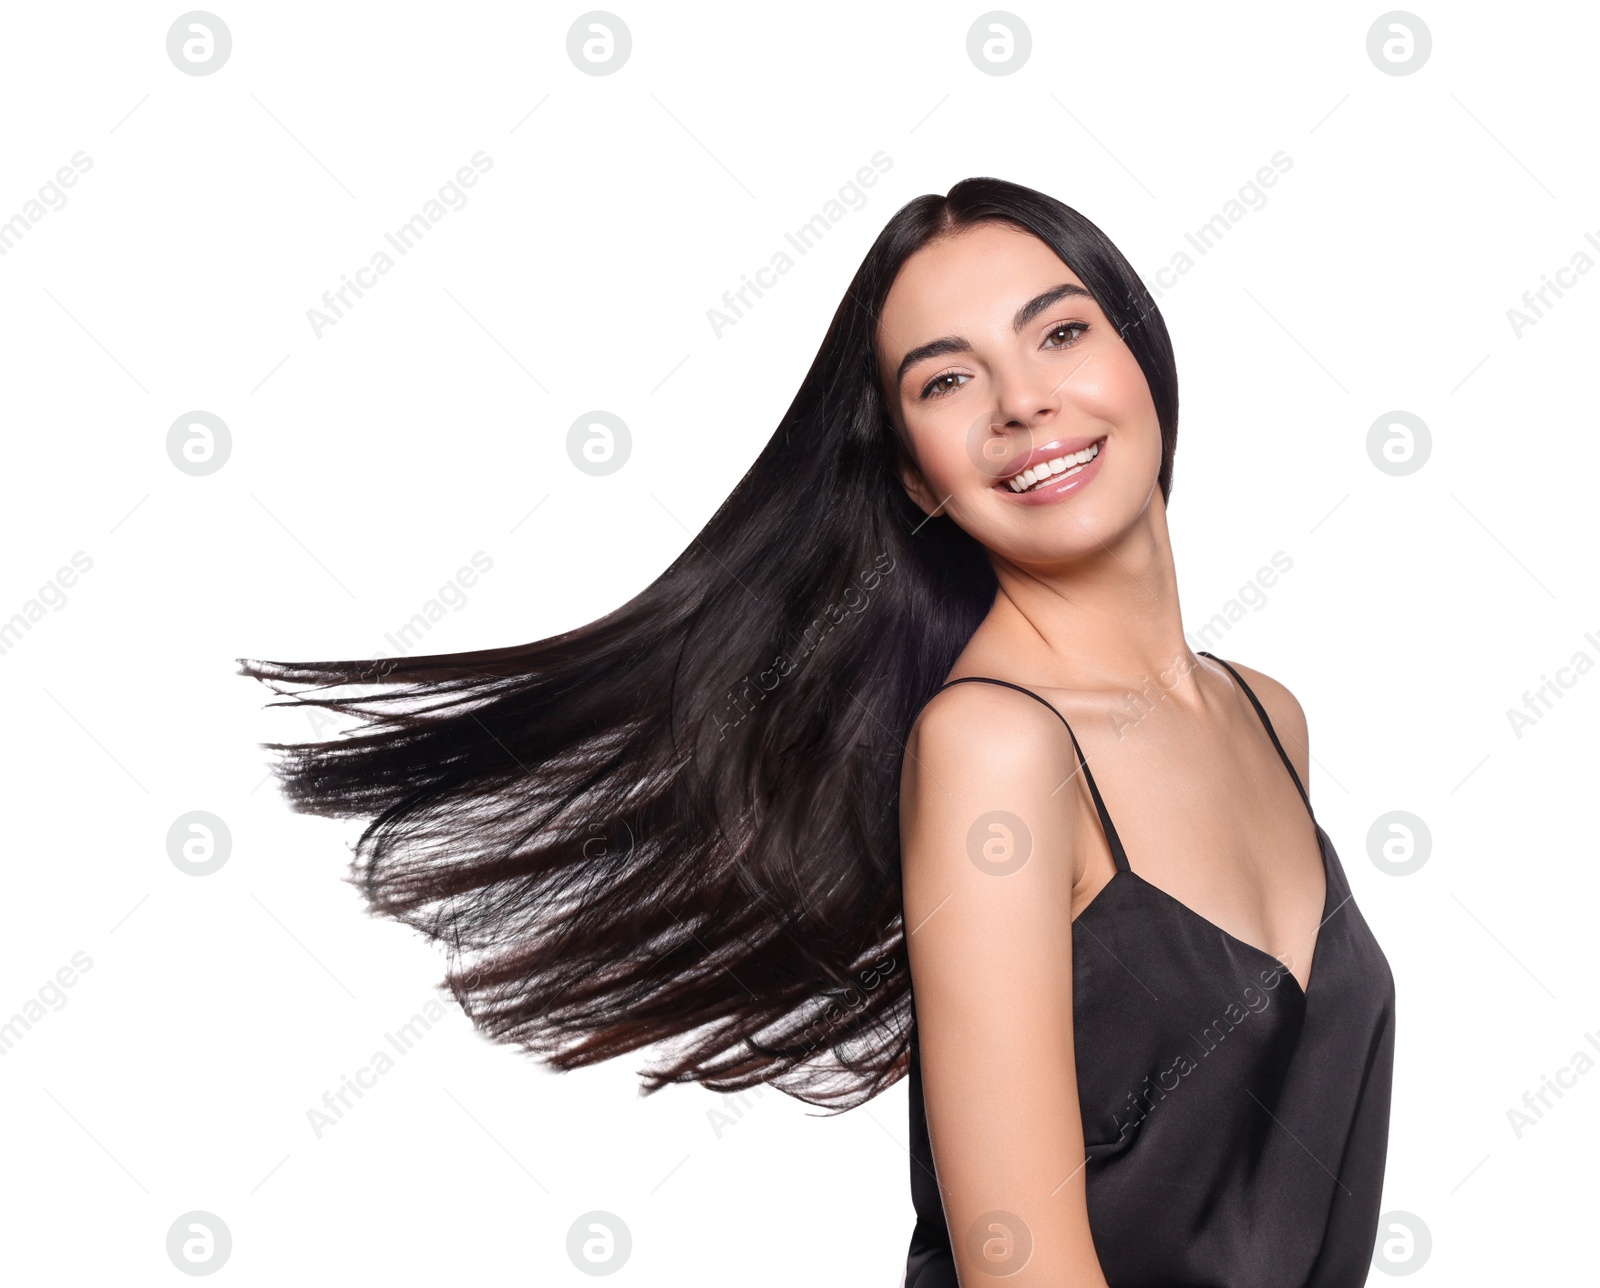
(979, 750)
(986, 727)
(1287, 716)
(987, 863)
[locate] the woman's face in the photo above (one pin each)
(1025, 416)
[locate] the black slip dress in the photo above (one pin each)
(1236, 1126)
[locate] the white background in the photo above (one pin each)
(371, 462)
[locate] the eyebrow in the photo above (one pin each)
(955, 344)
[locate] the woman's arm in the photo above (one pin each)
(988, 865)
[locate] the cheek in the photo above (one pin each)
(943, 464)
(1118, 392)
(1121, 396)
(941, 456)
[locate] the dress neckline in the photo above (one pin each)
(1119, 854)
(1302, 991)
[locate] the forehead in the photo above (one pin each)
(964, 283)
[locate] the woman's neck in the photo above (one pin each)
(1108, 621)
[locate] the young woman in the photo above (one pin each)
(837, 758)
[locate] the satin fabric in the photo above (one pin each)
(1236, 1127)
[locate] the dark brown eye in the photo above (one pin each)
(935, 388)
(1059, 327)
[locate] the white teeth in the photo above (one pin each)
(1030, 478)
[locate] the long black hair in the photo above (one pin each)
(677, 826)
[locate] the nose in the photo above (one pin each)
(1026, 405)
(1026, 396)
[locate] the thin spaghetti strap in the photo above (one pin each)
(1273, 733)
(1118, 854)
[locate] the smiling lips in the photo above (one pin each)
(1051, 461)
